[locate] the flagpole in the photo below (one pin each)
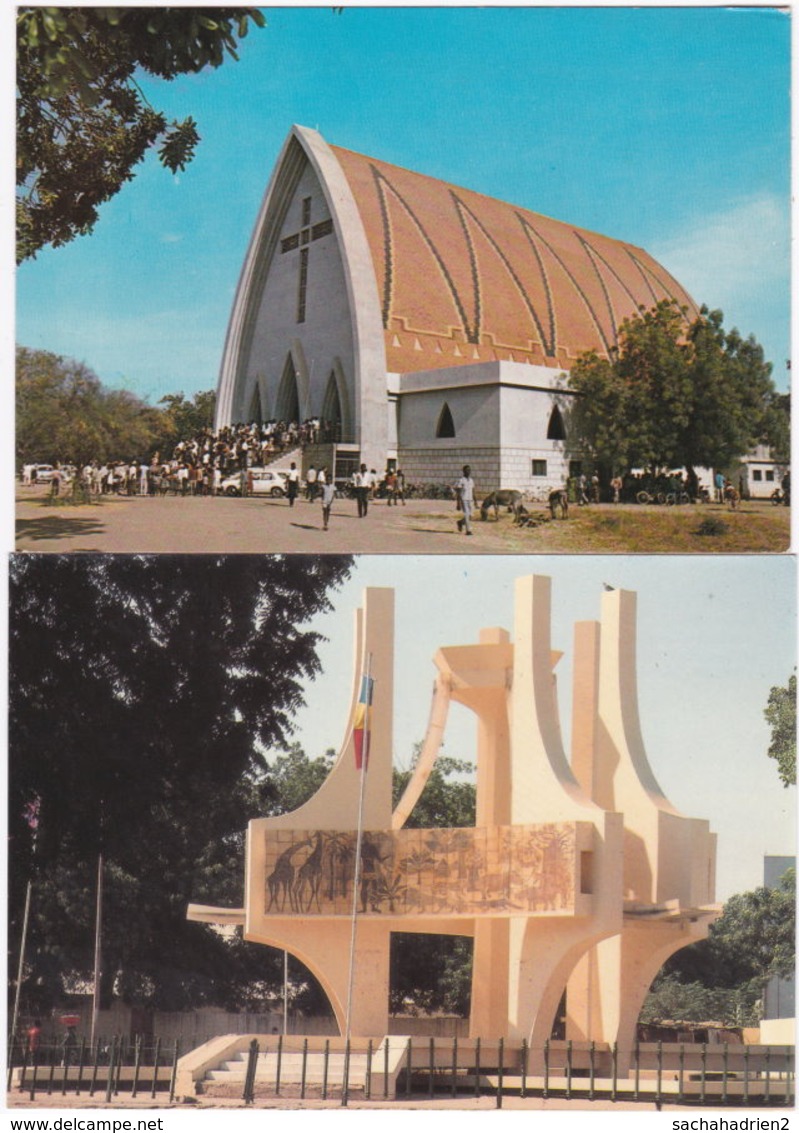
(21, 969)
(98, 934)
(285, 992)
(358, 842)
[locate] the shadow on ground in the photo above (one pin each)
(56, 527)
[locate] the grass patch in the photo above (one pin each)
(635, 529)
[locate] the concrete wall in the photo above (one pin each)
(326, 333)
(500, 412)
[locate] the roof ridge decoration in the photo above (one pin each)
(380, 181)
(575, 286)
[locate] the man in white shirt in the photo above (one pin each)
(464, 494)
(363, 482)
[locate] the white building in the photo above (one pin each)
(428, 325)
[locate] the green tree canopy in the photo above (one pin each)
(429, 972)
(675, 393)
(64, 413)
(780, 713)
(753, 940)
(82, 121)
(180, 418)
(144, 691)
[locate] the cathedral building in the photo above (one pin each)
(424, 325)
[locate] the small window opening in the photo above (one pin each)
(445, 426)
(556, 430)
(586, 871)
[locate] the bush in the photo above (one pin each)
(712, 526)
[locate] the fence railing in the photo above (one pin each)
(133, 1066)
(402, 1068)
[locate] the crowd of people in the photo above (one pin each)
(197, 466)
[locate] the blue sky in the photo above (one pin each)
(715, 634)
(668, 128)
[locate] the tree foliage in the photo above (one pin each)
(780, 713)
(82, 121)
(675, 394)
(724, 975)
(64, 413)
(429, 972)
(180, 418)
(448, 798)
(144, 691)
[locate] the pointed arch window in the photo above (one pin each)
(256, 413)
(287, 406)
(445, 426)
(556, 430)
(331, 409)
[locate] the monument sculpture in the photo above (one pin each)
(579, 875)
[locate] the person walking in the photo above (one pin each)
(328, 495)
(464, 495)
(311, 477)
(399, 486)
(390, 481)
(362, 482)
(293, 483)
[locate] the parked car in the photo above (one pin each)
(42, 473)
(263, 481)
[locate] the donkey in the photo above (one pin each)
(502, 497)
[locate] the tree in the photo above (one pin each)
(674, 394)
(753, 940)
(780, 714)
(294, 778)
(431, 972)
(144, 691)
(83, 124)
(64, 413)
(448, 798)
(180, 418)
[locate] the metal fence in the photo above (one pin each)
(401, 1068)
(134, 1066)
(680, 1073)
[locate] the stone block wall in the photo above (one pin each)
(517, 469)
(445, 466)
(492, 467)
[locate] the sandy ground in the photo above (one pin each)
(223, 525)
(15, 1100)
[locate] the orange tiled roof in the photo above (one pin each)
(463, 277)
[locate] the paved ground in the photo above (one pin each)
(221, 524)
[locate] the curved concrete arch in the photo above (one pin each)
(260, 252)
(618, 696)
(645, 948)
(371, 422)
(434, 737)
(318, 967)
(544, 784)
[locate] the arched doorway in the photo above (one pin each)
(332, 416)
(287, 403)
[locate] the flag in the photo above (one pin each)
(360, 723)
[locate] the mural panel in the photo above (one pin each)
(498, 870)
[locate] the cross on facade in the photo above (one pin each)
(301, 239)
